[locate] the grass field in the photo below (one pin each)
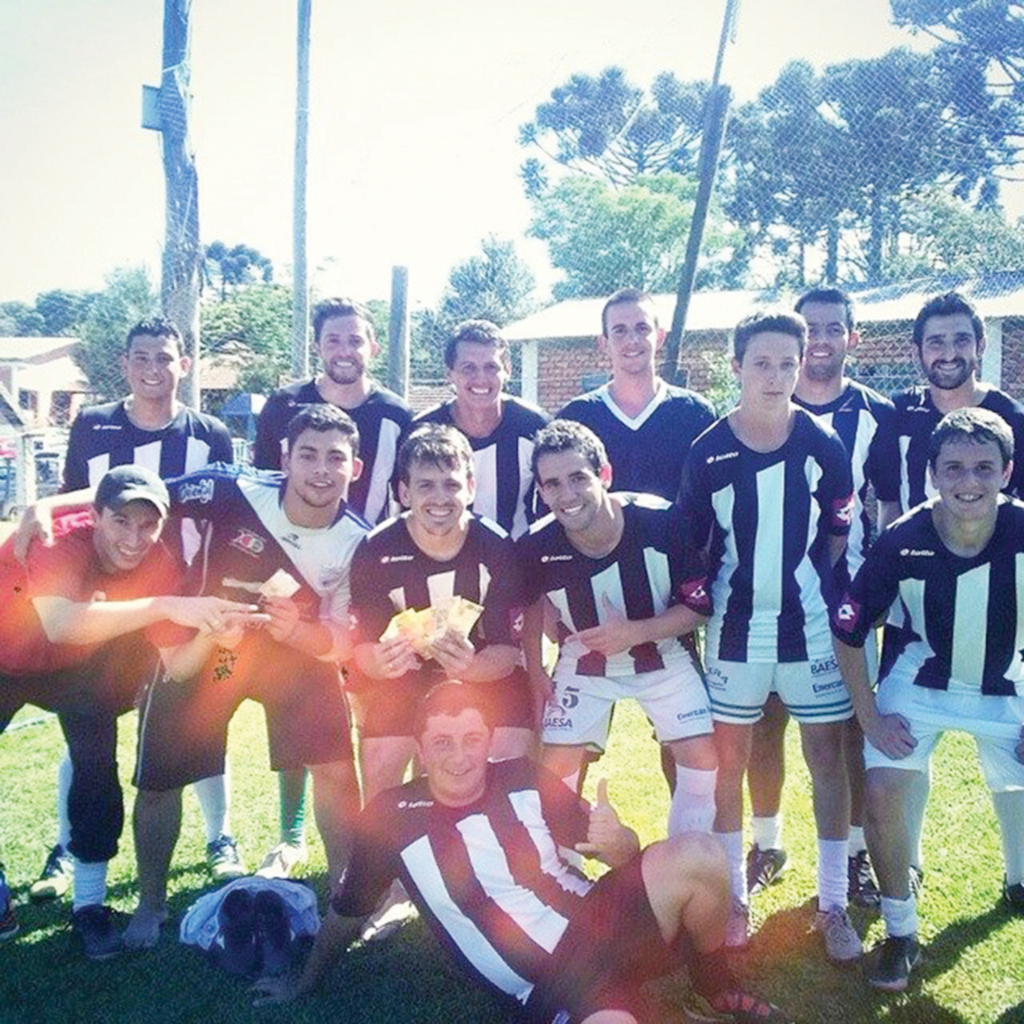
(973, 972)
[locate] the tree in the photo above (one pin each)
(128, 298)
(62, 311)
(20, 320)
(610, 128)
(227, 269)
(604, 238)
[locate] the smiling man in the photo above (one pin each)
(435, 552)
(609, 564)
(257, 525)
(478, 845)
(768, 503)
(71, 641)
(954, 567)
(499, 427)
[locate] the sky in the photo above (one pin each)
(415, 107)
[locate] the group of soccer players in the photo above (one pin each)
(599, 552)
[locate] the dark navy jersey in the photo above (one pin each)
(765, 576)
(917, 417)
(103, 436)
(639, 578)
(863, 419)
(501, 462)
(487, 878)
(963, 618)
(647, 451)
(381, 418)
(390, 574)
(247, 537)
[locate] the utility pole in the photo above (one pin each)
(181, 270)
(398, 333)
(300, 285)
(716, 112)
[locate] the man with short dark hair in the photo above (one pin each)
(72, 622)
(955, 567)
(478, 847)
(645, 424)
(345, 340)
(499, 427)
(863, 420)
(151, 428)
(610, 564)
(434, 554)
(768, 503)
(287, 538)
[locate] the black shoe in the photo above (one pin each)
(764, 867)
(861, 889)
(275, 933)
(8, 922)
(1013, 897)
(93, 927)
(891, 961)
(235, 947)
(56, 876)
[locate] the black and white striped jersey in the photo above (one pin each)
(488, 878)
(501, 462)
(766, 576)
(638, 578)
(646, 451)
(907, 444)
(381, 418)
(963, 618)
(390, 574)
(103, 436)
(862, 418)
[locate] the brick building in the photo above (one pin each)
(560, 358)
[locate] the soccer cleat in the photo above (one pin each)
(8, 922)
(223, 860)
(764, 867)
(275, 933)
(892, 961)
(861, 888)
(235, 947)
(281, 860)
(732, 1007)
(1013, 897)
(842, 943)
(57, 875)
(93, 927)
(737, 927)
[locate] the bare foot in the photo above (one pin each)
(143, 931)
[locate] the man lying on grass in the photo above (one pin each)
(477, 843)
(954, 569)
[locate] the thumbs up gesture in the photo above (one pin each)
(615, 635)
(607, 838)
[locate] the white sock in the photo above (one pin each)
(855, 843)
(733, 845)
(1010, 812)
(64, 771)
(832, 877)
(212, 794)
(90, 883)
(767, 832)
(900, 916)
(693, 802)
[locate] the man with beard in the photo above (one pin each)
(862, 418)
(345, 339)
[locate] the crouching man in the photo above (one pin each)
(566, 948)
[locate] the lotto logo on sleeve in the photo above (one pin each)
(842, 511)
(847, 614)
(517, 619)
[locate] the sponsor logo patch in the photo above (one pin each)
(555, 558)
(412, 805)
(721, 458)
(248, 542)
(819, 668)
(200, 491)
(388, 559)
(916, 553)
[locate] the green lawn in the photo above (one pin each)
(973, 972)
